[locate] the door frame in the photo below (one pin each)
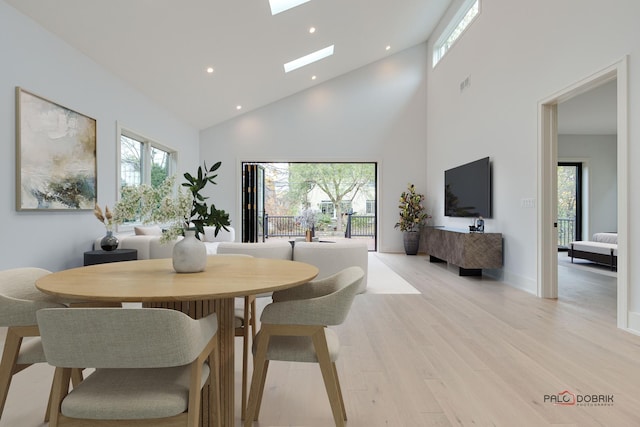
(547, 184)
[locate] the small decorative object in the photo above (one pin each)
(307, 220)
(480, 225)
(185, 213)
(108, 242)
(189, 254)
(412, 217)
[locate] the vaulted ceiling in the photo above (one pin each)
(164, 47)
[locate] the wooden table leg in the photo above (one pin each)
(226, 331)
(225, 310)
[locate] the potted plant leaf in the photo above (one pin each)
(201, 213)
(412, 217)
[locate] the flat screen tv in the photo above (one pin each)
(467, 190)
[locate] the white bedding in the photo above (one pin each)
(596, 247)
(606, 238)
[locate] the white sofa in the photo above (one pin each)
(329, 257)
(146, 240)
(279, 249)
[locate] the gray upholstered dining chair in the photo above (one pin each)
(294, 329)
(151, 365)
(19, 301)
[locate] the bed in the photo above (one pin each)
(602, 249)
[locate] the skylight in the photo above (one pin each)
(308, 59)
(278, 6)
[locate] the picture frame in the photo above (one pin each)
(56, 165)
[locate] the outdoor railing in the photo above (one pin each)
(282, 226)
(286, 226)
(566, 232)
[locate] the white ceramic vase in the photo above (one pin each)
(189, 254)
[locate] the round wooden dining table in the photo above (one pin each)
(155, 284)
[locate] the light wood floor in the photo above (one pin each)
(467, 351)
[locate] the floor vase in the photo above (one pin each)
(411, 242)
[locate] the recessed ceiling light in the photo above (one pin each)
(278, 6)
(238, 107)
(308, 59)
(388, 47)
(312, 30)
(210, 70)
(313, 77)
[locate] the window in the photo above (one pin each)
(327, 208)
(465, 16)
(371, 207)
(143, 161)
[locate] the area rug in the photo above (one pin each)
(383, 280)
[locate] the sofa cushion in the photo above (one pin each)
(331, 258)
(223, 235)
(148, 230)
(279, 249)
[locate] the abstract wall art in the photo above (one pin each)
(55, 156)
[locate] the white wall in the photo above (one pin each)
(515, 54)
(598, 153)
(40, 63)
(375, 113)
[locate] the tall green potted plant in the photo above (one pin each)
(412, 217)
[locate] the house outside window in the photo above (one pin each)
(371, 207)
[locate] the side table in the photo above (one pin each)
(101, 257)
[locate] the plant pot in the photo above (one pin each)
(411, 242)
(189, 254)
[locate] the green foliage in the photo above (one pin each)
(336, 180)
(412, 214)
(152, 205)
(158, 175)
(324, 222)
(202, 214)
(566, 192)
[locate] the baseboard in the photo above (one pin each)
(634, 323)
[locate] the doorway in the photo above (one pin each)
(334, 201)
(569, 203)
(548, 186)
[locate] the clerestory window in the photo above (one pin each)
(465, 16)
